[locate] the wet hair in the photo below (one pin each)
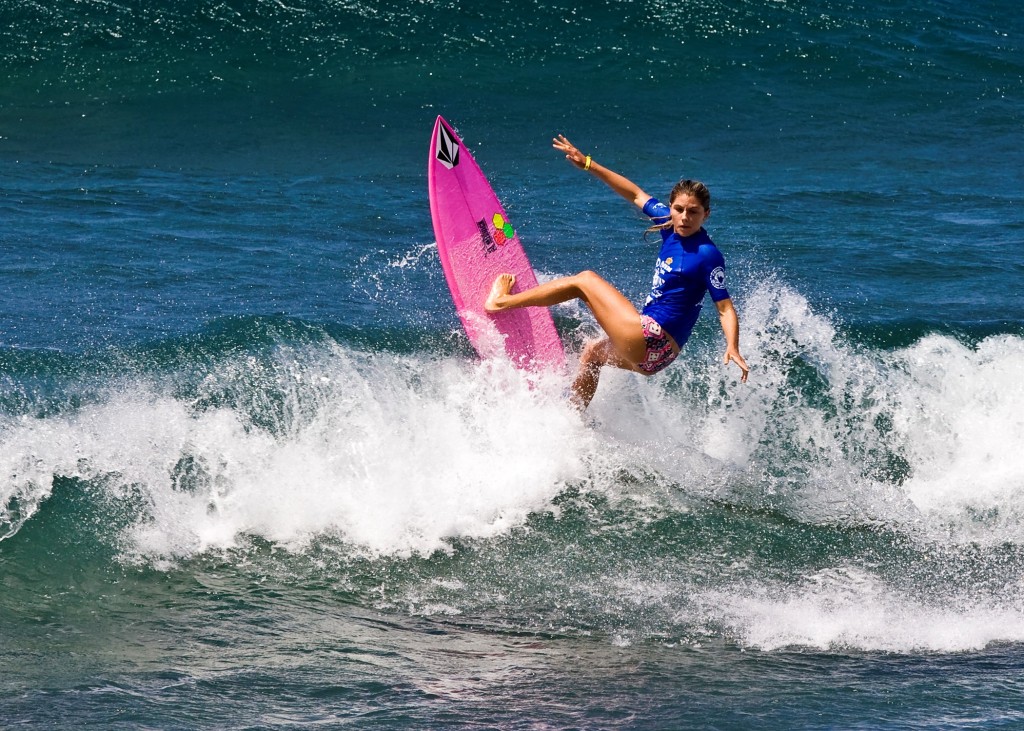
(692, 187)
(685, 187)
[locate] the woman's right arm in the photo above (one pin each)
(619, 183)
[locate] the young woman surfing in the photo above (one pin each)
(689, 266)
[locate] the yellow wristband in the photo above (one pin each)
(586, 165)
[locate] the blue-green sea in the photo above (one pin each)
(253, 476)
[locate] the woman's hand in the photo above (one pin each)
(572, 153)
(731, 329)
(621, 185)
(735, 357)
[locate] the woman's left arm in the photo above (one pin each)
(731, 328)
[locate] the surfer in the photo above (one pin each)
(689, 265)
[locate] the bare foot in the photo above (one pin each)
(501, 287)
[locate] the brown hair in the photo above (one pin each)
(685, 187)
(692, 187)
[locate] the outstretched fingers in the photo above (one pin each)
(572, 154)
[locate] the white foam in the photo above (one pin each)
(399, 454)
(847, 608)
(928, 439)
(393, 454)
(765, 442)
(961, 418)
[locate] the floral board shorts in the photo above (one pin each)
(659, 346)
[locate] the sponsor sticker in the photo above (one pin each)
(447, 151)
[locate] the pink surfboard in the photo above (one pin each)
(476, 242)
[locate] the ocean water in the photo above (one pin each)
(252, 475)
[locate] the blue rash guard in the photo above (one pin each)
(687, 268)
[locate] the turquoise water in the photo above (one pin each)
(253, 476)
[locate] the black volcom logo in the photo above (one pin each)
(447, 149)
(486, 240)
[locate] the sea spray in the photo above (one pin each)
(399, 453)
(392, 454)
(960, 421)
